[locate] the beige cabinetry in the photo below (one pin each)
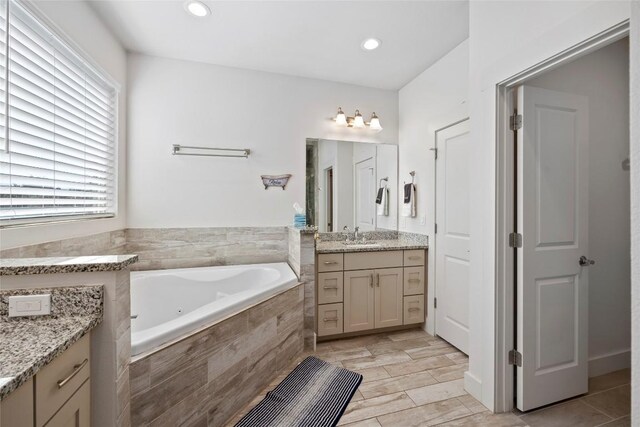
(371, 290)
(57, 396)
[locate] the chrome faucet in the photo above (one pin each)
(355, 233)
(346, 228)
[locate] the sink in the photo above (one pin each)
(361, 244)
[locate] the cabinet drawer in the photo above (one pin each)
(59, 380)
(413, 257)
(414, 280)
(330, 287)
(76, 412)
(413, 309)
(330, 319)
(330, 262)
(367, 260)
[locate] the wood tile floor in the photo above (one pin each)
(414, 379)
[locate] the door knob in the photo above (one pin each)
(585, 262)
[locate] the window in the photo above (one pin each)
(57, 126)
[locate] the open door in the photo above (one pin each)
(453, 237)
(552, 263)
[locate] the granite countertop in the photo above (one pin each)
(80, 264)
(30, 343)
(402, 242)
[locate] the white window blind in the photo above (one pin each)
(58, 126)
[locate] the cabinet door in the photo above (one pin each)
(388, 297)
(16, 410)
(358, 300)
(76, 412)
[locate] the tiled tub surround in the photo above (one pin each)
(110, 341)
(108, 243)
(30, 343)
(302, 261)
(162, 248)
(206, 377)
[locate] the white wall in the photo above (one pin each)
(506, 38)
(78, 22)
(603, 77)
(180, 102)
(435, 99)
(387, 166)
(635, 209)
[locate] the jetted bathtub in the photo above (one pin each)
(169, 304)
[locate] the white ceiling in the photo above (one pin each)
(317, 39)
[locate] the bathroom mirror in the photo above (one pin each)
(352, 184)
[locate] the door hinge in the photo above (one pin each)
(515, 240)
(435, 226)
(515, 358)
(435, 152)
(435, 303)
(515, 121)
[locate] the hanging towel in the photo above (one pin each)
(409, 206)
(383, 205)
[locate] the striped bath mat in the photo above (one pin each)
(314, 394)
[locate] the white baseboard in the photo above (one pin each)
(473, 385)
(609, 362)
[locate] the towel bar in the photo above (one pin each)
(177, 151)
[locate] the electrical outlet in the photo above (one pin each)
(29, 305)
(423, 220)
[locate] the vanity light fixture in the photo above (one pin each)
(357, 121)
(197, 8)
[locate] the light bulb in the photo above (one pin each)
(374, 124)
(358, 121)
(197, 8)
(341, 118)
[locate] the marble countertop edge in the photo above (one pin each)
(53, 265)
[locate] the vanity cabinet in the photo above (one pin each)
(58, 395)
(372, 290)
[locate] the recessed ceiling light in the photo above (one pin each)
(370, 44)
(197, 8)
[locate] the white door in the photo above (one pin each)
(452, 236)
(365, 194)
(552, 287)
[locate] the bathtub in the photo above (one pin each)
(169, 304)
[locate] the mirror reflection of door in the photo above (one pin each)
(329, 204)
(365, 192)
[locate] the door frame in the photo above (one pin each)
(505, 298)
(432, 291)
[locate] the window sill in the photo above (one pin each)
(51, 221)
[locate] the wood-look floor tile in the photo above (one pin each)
(373, 374)
(348, 343)
(371, 422)
(391, 346)
(420, 365)
(620, 422)
(487, 419)
(396, 384)
(370, 408)
(379, 360)
(407, 335)
(357, 396)
(458, 357)
(430, 351)
(574, 413)
(437, 392)
(610, 380)
(615, 402)
(449, 373)
(472, 404)
(426, 415)
(340, 355)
